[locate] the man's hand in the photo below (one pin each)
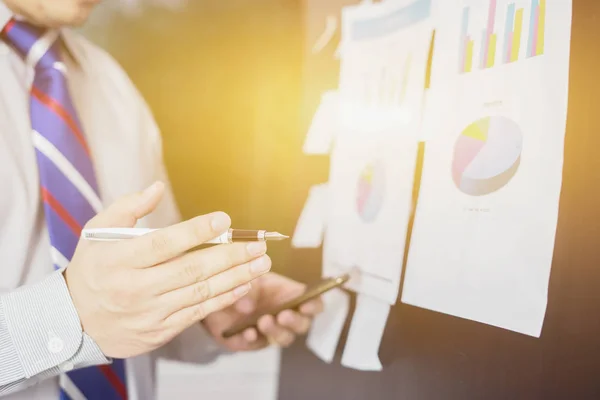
(135, 295)
(267, 291)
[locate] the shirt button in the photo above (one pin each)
(68, 366)
(55, 345)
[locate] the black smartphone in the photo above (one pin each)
(311, 292)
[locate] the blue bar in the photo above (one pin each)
(465, 21)
(510, 17)
(534, 4)
(463, 36)
(382, 26)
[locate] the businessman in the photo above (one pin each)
(79, 147)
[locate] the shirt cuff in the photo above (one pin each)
(42, 332)
(89, 354)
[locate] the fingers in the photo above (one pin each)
(282, 331)
(197, 266)
(197, 312)
(277, 333)
(203, 290)
(125, 212)
(312, 307)
(250, 335)
(248, 340)
(165, 244)
(251, 340)
(294, 321)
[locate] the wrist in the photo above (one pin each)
(65, 276)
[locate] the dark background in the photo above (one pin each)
(430, 356)
(233, 86)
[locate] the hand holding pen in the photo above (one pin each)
(133, 296)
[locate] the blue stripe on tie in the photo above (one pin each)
(93, 384)
(64, 396)
(53, 128)
(23, 37)
(52, 82)
(49, 82)
(61, 236)
(68, 195)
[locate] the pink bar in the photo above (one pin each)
(535, 30)
(492, 17)
(490, 28)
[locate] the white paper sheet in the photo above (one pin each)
(364, 337)
(327, 327)
(369, 208)
(383, 66)
(483, 237)
(372, 164)
(311, 224)
(324, 125)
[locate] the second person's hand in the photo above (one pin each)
(282, 329)
(135, 295)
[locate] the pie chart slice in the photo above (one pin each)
(370, 191)
(487, 155)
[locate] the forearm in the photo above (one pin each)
(41, 335)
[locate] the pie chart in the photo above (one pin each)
(487, 155)
(370, 191)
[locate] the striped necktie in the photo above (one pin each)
(68, 184)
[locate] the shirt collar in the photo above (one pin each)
(6, 14)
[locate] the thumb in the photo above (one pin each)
(125, 212)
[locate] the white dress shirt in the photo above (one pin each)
(126, 148)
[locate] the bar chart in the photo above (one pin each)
(512, 34)
(488, 39)
(466, 60)
(386, 85)
(535, 46)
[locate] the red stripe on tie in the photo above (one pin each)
(9, 25)
(114, 380)
(60, 112)
(61, 211)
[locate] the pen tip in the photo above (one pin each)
(275, 236)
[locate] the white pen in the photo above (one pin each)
(231, 236)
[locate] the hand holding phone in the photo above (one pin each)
(311, 292)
